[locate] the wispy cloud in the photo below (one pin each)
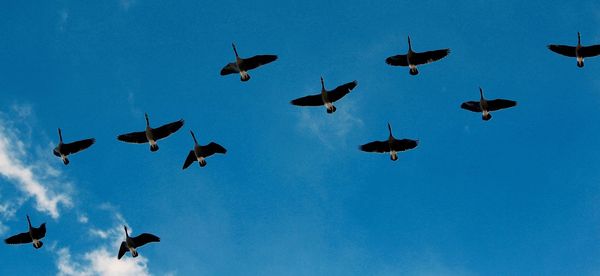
(102, 260)
(18, 166)
(127, 4)
(63, 18)
(331, 129)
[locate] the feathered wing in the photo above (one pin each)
(312, 100)
(397, 60)
(19, 239)
(144, 239)
(122, 250)
(77, 146)
(429, 56)
(134, 137)
(230, 68)
(191, 158)
(211, 149)
(166, 130)
(471, 106)
(256, 61)
(404, 144)
(590, 51)
(376, 146)
(55, 152)
(39, 232)
(563, 50)
(341, 91)
(500, 104)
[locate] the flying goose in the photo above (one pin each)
(391, 145)
(485, 107)
(326, 98)
(34, 235)
(132, 243)
(151, 135)
(412, 59)
(199, 153)
(64, 149)
(243, 65)
(578, 51)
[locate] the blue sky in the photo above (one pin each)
(517, 195)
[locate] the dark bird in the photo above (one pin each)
(326, 98)
(200, 153)
(485, 107)
(64, 149)
(412, 59)
(151, 135)
(132, 243)
(391, 145)
(579, 52)
(34, 235)
(243, 65)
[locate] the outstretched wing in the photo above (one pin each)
(230, 68)
(211, 149)
(144, 239)
(590, 51)
(312, 100)
(429, 56)
(134, 137)
(341, 91)
(563, 50)
(166, 130)
(191, 158)
(376, 146)
(500, 104)
(397, 60)
(471, 106)
(55, 152)
(122, 250)
(77, 146)
(404, 144)
(19, 238)
(255, 61)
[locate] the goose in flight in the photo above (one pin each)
(391, 145)
(326, 98)
(579, 52)
(412, 59)
(34, 235)
(243, 65)
(151, 135)
(200, 153)
(132, 243)
(486, 106)
(64, 149)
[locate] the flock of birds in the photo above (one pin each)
(326, 98)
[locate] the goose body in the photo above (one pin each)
(243, 65)
(33, 235)
(326, 98)
(391, 145)
(63, 150)
(412, 59)
(486, 106)
(131, 244)
(200, 153)
(151, 135)
(579, 52)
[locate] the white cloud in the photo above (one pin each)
(126, 4)
(102, 260)
(83, 218)
(331, 129)
(16, 166)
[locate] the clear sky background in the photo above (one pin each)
(517, 195)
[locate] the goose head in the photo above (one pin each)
(126, 234)
(147, 120)
(29, 221)
(322, 84)
(60, 135)
(481, 93)
(234, 50)
(578, 38)
(409, 45)
(194, 137)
